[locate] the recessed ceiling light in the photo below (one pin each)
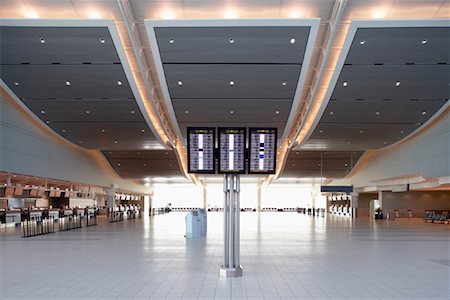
(48, 122)
(80, 142)
(362, 42)
(397, 83)
(344, 83)
(346, 165)
(231, 111)
(118, 165)
(284, 83)
(16, 83)
(142, 130)
(384, 143)
(277, 112)
(424, 113)
(297, 152)
(231, 82)
(67, 82)
(293, 165)
(318, 165)
(424, 41)
(180, 82)
(418, 124)
(103, 130)
(119, 83)
(402, 131)
(102, 40)
(145, 165)
(320, 131)
(292, 41)
(43, 112)
(361, 131)
(186, 112)
(132, 112)
(377, 113)
(116, 141)
(42, 40)
(63, 130)
(231, 41)
(331, 113)
(88, 112)
(166, 153)
(171, 41)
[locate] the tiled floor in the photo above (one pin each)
(284, 255)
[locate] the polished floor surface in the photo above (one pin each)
(284, 255)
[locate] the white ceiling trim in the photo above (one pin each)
(117, 45)
(150, 26)
(354, 26)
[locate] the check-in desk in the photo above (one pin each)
(67, 212)
(79, 212)
(53, 213)
(35, 214)
(13, 216)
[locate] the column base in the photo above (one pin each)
(230, 272)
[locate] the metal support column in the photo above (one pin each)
(231, 212)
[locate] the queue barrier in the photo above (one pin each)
(34, 227)
(91, 219)
(69, 222)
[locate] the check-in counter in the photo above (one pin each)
(35, 215)
(67, 212)
(13, 216)
(79, 212)
(53, 213)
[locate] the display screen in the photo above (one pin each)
(232, 150)
(200, 142)
(263, 150)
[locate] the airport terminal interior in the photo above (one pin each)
(225, 149)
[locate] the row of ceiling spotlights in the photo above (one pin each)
(233, 40)
(232, 83)
(68, 83)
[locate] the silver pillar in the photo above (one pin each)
(231, 211)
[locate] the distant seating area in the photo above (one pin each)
(437, 216)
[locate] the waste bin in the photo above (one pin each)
(193, 225)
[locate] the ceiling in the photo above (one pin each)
(95, 113)
(229, 74)
(384, 92)
(141, 164)
(323, 164)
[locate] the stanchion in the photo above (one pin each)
(231, 211)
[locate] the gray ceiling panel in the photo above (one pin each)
(213, 81)
(49, 81)
(357, 131)
(140, 164)
(244, 110)
(329, 164)
(86, 110)
(248, 44)
(380, 111)
(379, 82)
(393, 81)
(102, 135)
(400, 45)
(65, 45)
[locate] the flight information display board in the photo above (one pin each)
(263, 150)
(200, 142)
(232, 150)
